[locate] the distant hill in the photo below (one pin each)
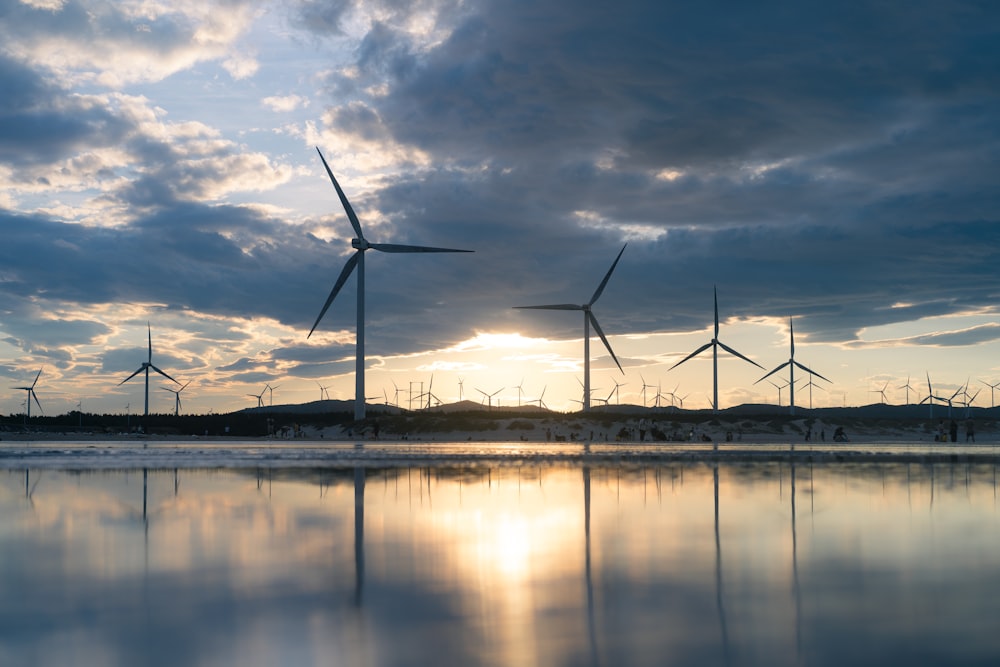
(873, 411)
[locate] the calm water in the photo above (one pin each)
(512, 558)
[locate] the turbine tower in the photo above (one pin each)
(588, 320)
(715, 344)
(146, 365)
(31, 395)
(358, 260)
(791, 363)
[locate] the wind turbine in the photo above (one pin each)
(644, 387)
(323, 392)
(588, 320)
(177, 397)
(270, 393)
(715, 344)
(541, 403)
(31, 395)
(908, 389)
(361, 244)
(520, 392)
(930, 398)
(146, 365)
(616, 392)
(880, 391)
(489, 397)
(260, 396)
(992, 390)
(791, 363)
(811, 384)
(779, 387)
(461, 387)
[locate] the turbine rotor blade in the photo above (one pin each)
(607, 276)
(398, 247)
(141, 369)
(345, 273)
(604, 339)
(343, 198)
(554, 306)
(162, 373)
(715, 295)
(773, 372)
(693, 354)
(36, 378)
(737, 354)
(812, 372)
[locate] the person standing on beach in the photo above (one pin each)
(953, 429)
(970, 431)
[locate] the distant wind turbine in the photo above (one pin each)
(779, 387)
(177, 396)
(541, 403)
(260, 396)
(908, 389)
(930, 398)
(358, 260)
(144, 368)
(880, 391)
(588, 320)
(644, 388)
(715, 344)
(31, 395)
(324, 392)
(791, 364)
(811, 384)
(489, 397)
(992, 390)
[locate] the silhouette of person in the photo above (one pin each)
(970, 431)
(953, 430)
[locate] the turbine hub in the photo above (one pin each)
(360, 244)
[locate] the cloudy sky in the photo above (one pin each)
(833, 164)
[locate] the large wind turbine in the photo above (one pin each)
(146, 365)
(791, 363)
(358, 260)
(588, 320)
(715, 344)
(31, 395)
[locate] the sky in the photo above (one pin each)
(833, 166)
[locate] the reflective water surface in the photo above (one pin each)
(775, 562)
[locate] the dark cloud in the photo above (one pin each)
(41, 123)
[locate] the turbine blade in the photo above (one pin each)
(607, 276)
(774, 371)
(693, 354)
(162, 373)
(343, 198)
(345, 273)
(36, 378)
(604, 339)
(791, 333)
(737, 354)
(149, 337)
(141, 368)
(35, 396)
(807, 370)
(554, 306)
(397, 247)
(715, 295)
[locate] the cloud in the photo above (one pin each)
(115, 44)
(284, 103)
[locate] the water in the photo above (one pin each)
(496, 554)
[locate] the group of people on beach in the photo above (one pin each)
(950, 434)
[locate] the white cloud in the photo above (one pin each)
(284, 103)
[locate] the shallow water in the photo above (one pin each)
(411, 554)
